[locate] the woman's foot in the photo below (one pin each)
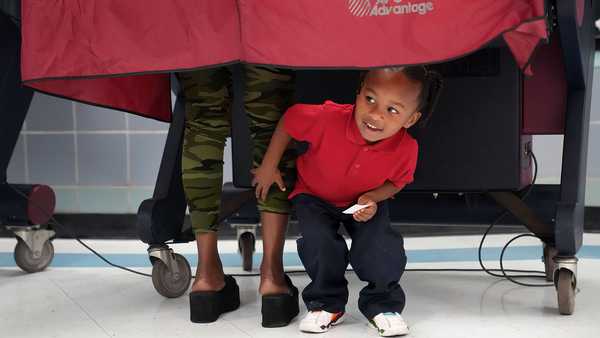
(213, 293)
(272, 280)
(209, 279)
(279, 296)
(209, 271)
(270, 285)
(278, 309)
(207, 306)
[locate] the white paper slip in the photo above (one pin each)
(355, 208)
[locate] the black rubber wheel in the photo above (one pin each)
(168, 284)
(26, 260)
(246, 244)
(565, 289)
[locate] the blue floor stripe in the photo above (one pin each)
(292, 259)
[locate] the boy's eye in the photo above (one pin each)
(369, 99)
(393, 110)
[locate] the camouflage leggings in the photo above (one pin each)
(268, 94)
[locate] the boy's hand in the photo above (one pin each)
(367, 213)
(264, 177)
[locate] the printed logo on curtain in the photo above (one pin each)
(362, 8)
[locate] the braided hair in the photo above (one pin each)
(431, 88)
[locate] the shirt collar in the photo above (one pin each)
(389, 144)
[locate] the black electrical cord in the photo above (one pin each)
(512, 278)
(527, 273)
(530, 273)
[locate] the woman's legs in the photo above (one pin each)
(206, 129)
(209, 272)
(269, 92)
(271, 269)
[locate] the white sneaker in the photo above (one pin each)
(320, 321)
(389, 324)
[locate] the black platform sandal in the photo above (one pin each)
(279, 309)
(207, 306)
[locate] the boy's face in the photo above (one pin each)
(386, 103)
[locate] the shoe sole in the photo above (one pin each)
(402, 333)
(279, 310)
(207, 306)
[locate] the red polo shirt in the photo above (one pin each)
(340, 165)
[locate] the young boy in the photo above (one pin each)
(361, 154)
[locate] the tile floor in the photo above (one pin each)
(79, 296)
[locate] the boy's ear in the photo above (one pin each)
(414, 118)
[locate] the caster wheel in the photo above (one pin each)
(565, 289)
(30, 261)
(549, 253)
(166, 282)
(246, 245)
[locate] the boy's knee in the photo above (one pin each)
(378, 257)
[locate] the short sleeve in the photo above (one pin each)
(405, 172)
(304, 122)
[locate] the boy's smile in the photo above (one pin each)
(386, 103)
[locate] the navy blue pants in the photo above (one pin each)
(377, 257)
